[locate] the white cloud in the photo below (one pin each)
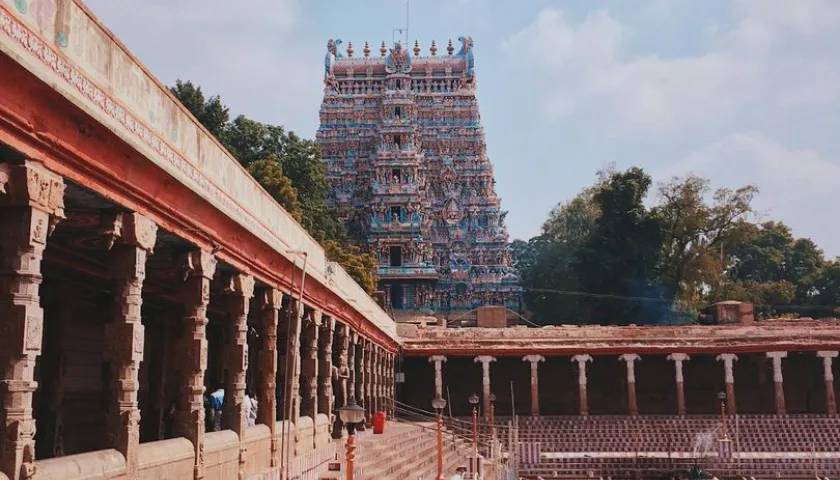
(583, 70)
(797, 186)
(248, 52)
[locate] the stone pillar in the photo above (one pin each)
(325, 366)
(392, 382)
(368, 385)
(200, 266)
(535, 382)
(292, 361)
(377, 378)
(309, 364)
(630, 359)
(438, 360)
(678, 359)
(31, 201)
(135, 237)
(485, 381)
(583, 401)
(729, 380)
(343, 375)
(239, 289)
(388, 382)
(778, 380)
(270, 302)
(828, 378)
(357, 389)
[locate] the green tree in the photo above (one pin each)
(694, 234)
(620, 256)
(210, 112)
(827, 286)
(290, 169)
(269, 173)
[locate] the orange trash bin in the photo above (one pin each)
(379, 423)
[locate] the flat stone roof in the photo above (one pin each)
(769, 335)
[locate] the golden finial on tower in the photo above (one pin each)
(416, 48)
(349, 49)
(382, 49)
(450, 48)
(366, 50)
(433, 48)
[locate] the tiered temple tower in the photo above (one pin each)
(404, 148)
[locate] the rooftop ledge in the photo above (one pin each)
(766, 335)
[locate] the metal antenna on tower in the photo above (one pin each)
(402, 30)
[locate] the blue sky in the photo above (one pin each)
(738, 91)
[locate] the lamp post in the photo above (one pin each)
(351, 415)
(492, 425)
(474, 402)
(439, 404)
(724, 431)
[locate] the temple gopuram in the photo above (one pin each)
(402, 140)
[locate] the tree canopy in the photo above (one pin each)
(289, 168)
(606, 257)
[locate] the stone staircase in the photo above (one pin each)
(407, 451)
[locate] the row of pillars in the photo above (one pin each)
(31, 204)
(630, 359)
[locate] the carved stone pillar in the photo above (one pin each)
(583, 400)
(729, 380)
(678, 359)
(535, 382)
(325, 366)
(392, 385)
(270, 302)
(200, 266)
(239, 290)
(778, 380)
(292, 361)
(630, 359)
(31, 202)
(342, 375)
(485, 361)
(828, 378)
(368, 378)
(135, 237)
(438, 360)
(309, 364)
(376, 378)
(359, 371)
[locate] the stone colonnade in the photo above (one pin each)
(727, 360)
(32, 204)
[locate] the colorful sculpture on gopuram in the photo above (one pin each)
(404, 149)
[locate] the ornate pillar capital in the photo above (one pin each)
(679, 357)
(30, 184)
(484, 359)
(534, 359)
(199, 263)
(437, 359)
(630, 359)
